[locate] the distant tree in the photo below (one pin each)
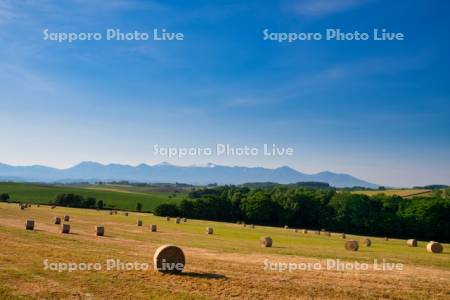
(447, 194)
(70, 200)
(90, 202)
(138, 206)
(4, 197)
(100, 204)
(437, 193)
(259, 208)
(74, 200)
(355, 212)
(187, 208)
(427, 218)
(167, 210)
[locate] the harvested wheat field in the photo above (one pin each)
(229, 264)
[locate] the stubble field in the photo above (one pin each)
(228, 264)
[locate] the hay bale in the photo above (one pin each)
(245, 225)
(386, 238)
(57, 220)
(153, 227)
(126, 214)
(168, 218)
(53, 207)
(139, 223)
(209, 230)
(295, 230)
(65, 228)
(411, 243)
(266, 241)
(169, 259)
(66, 218)
(343, 236)
(29, 225)
(328, 233)
(351, 245)
(38, 205)
(367, 242)
(434, 247)
(305, 231)
(184, 220)
(115, 212)
(178, 220)
(111, 212)
(99, 230)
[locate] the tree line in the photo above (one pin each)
(426, 218)
(74, 200)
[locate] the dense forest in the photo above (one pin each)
(426, 218)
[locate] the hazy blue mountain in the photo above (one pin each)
(164, 172)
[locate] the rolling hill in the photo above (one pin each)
(114, 196)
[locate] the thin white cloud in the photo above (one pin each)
(243, 102)
(23, 76)
(320, 8)
(6, 12)
(35, 12)
(327, 79)
(118, 5)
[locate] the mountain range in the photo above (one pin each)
(167, 173)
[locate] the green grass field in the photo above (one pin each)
(227, 264)
(114, 196)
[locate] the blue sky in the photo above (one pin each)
(378, 110)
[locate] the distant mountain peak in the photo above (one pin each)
(207, 165)
(166, 172)
(284, 168)
(88, 164)
(142, 166)
(163, 164)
